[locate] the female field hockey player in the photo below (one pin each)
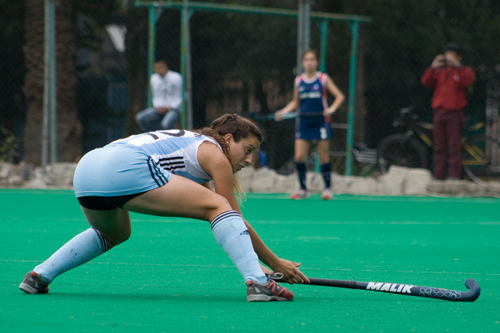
(310, 97)
(159, 173)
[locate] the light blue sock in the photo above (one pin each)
(232, 235)
(80, 249)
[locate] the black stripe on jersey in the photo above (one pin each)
(221, 217)
(172, 163)
(160, 174)
(172, 169)
(152, 170)
(168, 166)
(174, 158)
(156, 173)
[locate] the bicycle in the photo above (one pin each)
(480, 152)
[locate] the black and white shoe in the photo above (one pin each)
(269, 292)
(33, 284)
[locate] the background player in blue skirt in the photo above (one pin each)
(310, 97)
(167, 173)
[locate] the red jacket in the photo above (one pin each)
(450, 86)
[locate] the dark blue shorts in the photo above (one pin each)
(313, 128)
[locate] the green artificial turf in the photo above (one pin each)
(172, 276)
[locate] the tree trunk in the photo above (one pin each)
(33, 84)
(137, 76)
(358, 7)
(68, 126)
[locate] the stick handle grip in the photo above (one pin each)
(328, 283)
(335, 283)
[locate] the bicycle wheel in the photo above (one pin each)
(402, 151)
(481, 158)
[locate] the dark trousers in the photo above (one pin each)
(447, 133)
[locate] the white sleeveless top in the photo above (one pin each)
(174, 150)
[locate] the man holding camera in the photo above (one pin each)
(450, 81)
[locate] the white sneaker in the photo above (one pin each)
(327, 194)
(299, 194)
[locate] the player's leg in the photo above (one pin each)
(454, 129)
(109, 225)
(324, 151)
(180, 197)
(185, 198)
(440, 145)
(302, 148)
(108, 228)
(149, 120)
(326, 168)
(114, 225)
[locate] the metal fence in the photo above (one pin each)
(240, 63)
(251, 70)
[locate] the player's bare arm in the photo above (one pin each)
(337, 93)
(293, 105)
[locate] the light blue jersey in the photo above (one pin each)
(140, 163)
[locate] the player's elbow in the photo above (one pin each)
(340, 97)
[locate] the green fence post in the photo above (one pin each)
(352, 97)
(323, 44)
(187, 109)
(154, 13)
(324, 18)
(323, 48)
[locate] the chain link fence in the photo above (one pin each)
(241, 63)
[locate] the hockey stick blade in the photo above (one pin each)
(403, 289)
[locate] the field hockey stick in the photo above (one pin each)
(402, 289)
(289, 115)
(271, 116)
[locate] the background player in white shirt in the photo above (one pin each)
(166, 89)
